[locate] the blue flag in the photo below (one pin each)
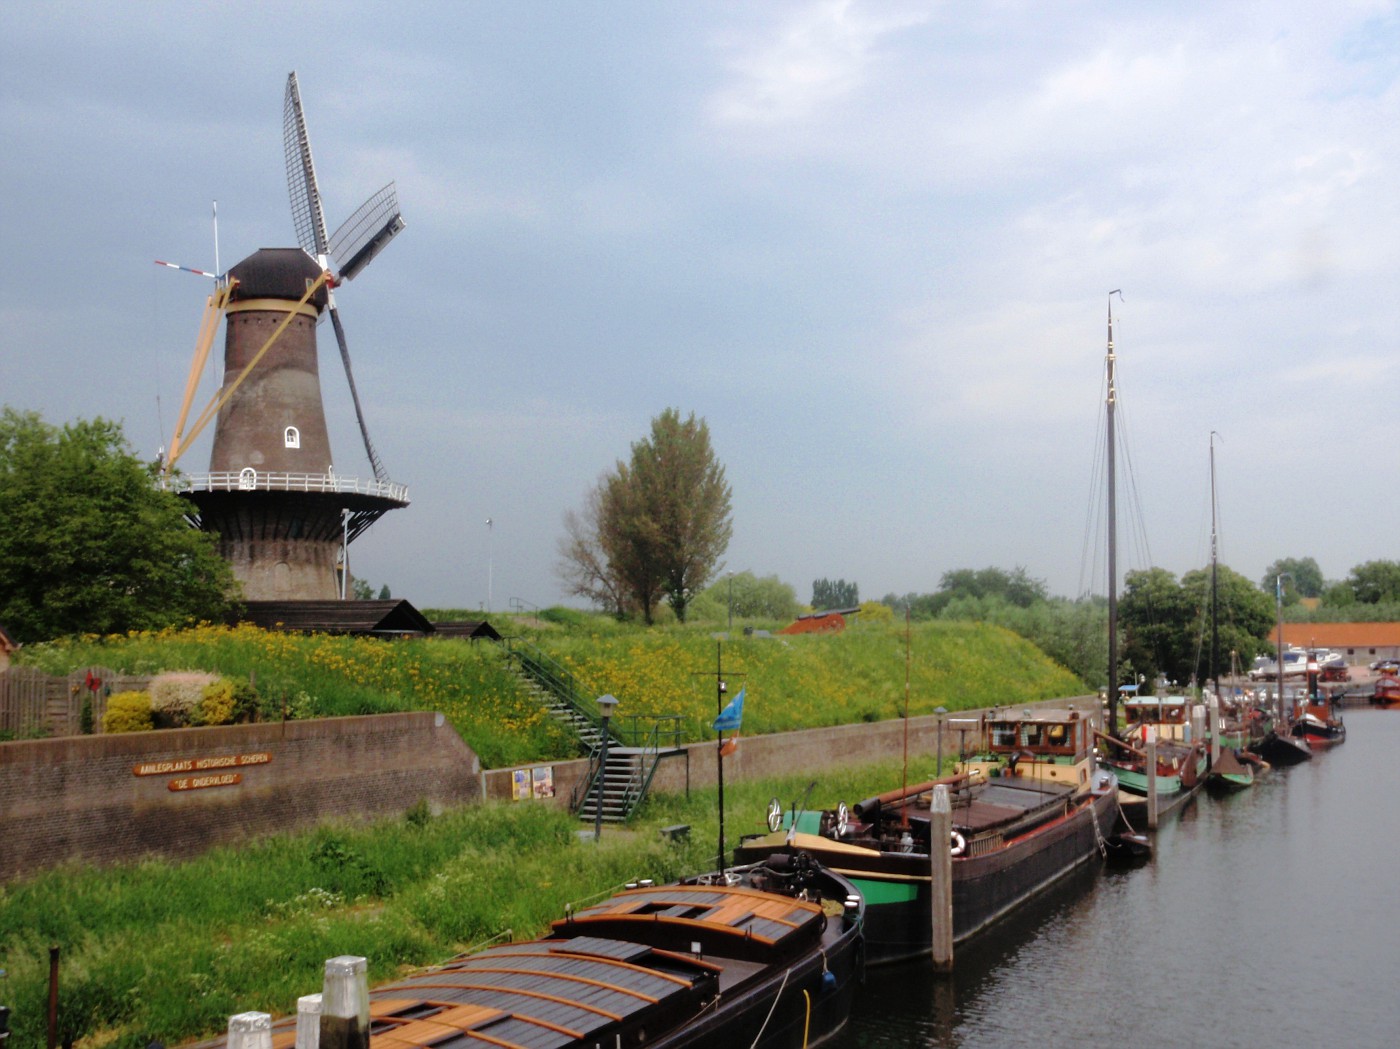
(730, 716)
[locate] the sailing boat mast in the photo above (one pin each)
(1214, 672)
(1112, 399)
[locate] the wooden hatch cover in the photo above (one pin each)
(538, 994)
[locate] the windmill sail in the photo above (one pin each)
(307, 217)
(363, 236)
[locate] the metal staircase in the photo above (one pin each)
(635, 745)
(618, 784)
(557, 690)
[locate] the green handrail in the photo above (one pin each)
(559, 681)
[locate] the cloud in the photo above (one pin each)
(813, 57)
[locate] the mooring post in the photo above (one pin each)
(308, 1022)
(1213, 713)
(53, 997)
(1152, 785)
(940, 894)
(250, 1031)
(345, 1004)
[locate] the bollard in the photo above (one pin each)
(1151, 764)
(345, 1004)
(940, 890)
(308, 1022)
(250, 1031)
(1213, 714)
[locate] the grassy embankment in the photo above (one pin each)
(793, 682)
(169, 950)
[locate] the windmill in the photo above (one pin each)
(358, 240)
(284, 516)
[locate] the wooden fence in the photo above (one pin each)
(34, 704)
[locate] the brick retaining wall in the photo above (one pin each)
(808, 751)
(78, 797)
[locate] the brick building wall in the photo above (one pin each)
(79, 797)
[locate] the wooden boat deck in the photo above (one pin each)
(1003, 802)
(575, 988)
(710, 915)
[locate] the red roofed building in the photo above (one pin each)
(1361, 643)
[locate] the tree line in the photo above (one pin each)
(90, 544)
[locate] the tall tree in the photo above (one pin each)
(1157, 621)
(834, 593)
(89, 544)
(1303, 578)
(1014, 587)
(1376, 582)
(1246, 617)
(1167, 623)
(584, 565)
(654, 528)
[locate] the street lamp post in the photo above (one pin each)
(490, 562)
(731, 602)
(606, 705)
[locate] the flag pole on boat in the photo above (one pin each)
(904, 794)
(727, 718)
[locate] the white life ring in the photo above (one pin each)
(843, 820)
(959, 844)
(775, 814)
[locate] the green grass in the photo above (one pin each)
(171, 950)
(808, 681)
(168, 950)
(803, 681)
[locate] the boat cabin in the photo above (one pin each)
(1052, 745)
(1159, 718)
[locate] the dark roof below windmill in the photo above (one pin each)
(475, 629)
(391, 618)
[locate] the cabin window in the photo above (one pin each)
(292, 437)
(247, 479)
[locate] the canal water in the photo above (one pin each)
(1270, 918)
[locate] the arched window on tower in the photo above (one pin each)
(292, 438)
(247, 479)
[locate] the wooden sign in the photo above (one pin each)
(221, 761)
(222, 779)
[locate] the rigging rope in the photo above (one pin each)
(759, 1037)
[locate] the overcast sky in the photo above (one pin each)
(869, 243)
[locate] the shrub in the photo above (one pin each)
(226, 702)
(128, 712)
(216, 703)
(175, 697)
(570, 617)
(247, 704)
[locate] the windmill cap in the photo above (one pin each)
(278, 273)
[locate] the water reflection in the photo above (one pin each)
(1265, 919)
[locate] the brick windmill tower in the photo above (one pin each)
(285, 516)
